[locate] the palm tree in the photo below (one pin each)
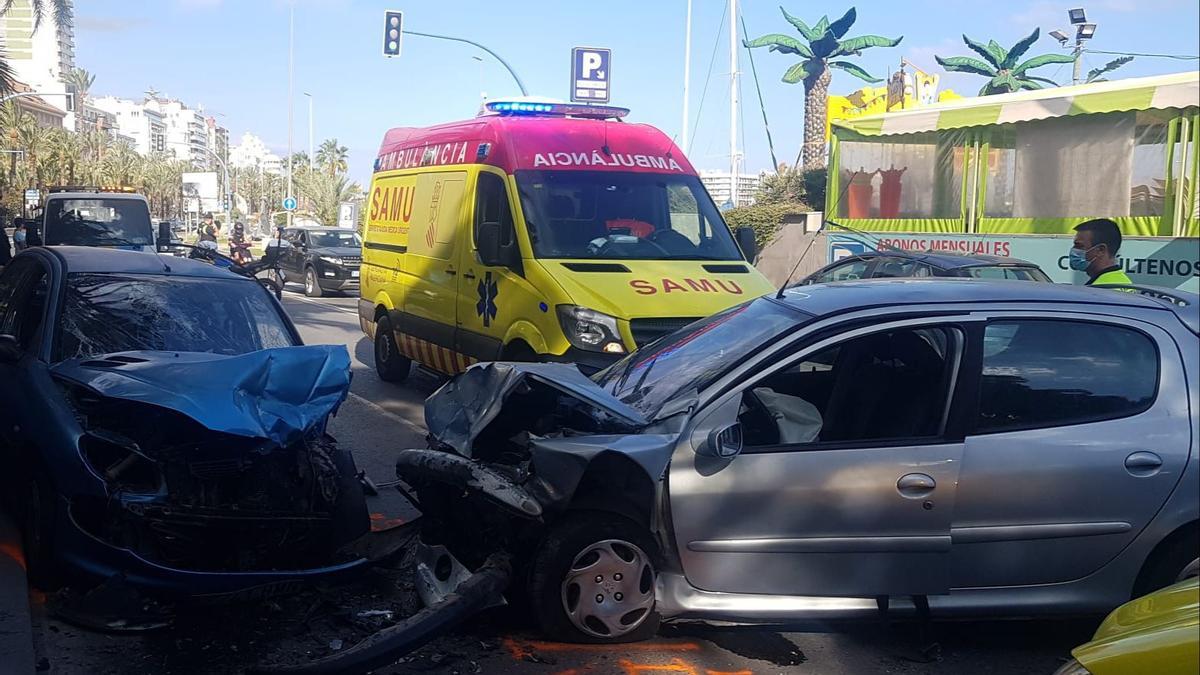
(1001, 65)
(59, 9)
(822, 43)
(122, 165)
(1097, 74)
(79, 81)
(332, 157)
(326, 193)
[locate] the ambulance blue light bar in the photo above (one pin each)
(556, 109)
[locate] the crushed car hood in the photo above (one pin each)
(277, 394)
(461, 409)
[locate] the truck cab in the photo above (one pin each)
(94, 217)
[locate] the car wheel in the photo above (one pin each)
(390, 364)
(312, 287)
(592, 580)
(38, 536)
(1178, 560)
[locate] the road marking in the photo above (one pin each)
(336, 308)
(413, 426)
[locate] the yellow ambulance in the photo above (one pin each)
(539, 231)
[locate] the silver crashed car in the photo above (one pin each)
(950, 447)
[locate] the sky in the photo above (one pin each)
(231, 57)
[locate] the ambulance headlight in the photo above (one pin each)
(588, 329)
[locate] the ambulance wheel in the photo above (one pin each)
(312, 285)
(390, 364)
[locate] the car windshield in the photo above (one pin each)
(107, 313)
(1003, 272)
(344, 239)
(693, 357)
(98, 222)
(623, 216)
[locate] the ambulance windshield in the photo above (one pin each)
(622, 215)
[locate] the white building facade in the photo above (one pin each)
(186, 130)
(252, 153)
(42, 58)
(719, 186)
(144, 126)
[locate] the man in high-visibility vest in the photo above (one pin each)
(1095, 252)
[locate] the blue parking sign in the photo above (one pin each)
(590, 74)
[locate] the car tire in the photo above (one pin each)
(312, 284)
(1177, 560)
(390, 364)
(37, 535)
(587, 564)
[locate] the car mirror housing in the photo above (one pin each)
(724, 442)
(10, 349)
(746, 242)
(488, 244)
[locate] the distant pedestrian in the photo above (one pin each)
(209, 229)
(20, 236)
(5, 248)
(1095, 252)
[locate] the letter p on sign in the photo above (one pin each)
(590, 74)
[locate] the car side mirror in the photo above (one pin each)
(723, 442)
(746, 242)
(164, 237)
(487, 241)
(10, 349)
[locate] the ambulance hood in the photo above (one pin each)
(658, 288)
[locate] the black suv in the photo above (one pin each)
(323, 258)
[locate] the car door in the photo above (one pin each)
(432, 269)
(845, 485)
(1082, 432)
(490, 295)
(24, 294)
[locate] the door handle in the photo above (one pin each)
(1143, 463)
(450, 271)
(469, 275)
(915, 485)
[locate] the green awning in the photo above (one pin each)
(1178, 91)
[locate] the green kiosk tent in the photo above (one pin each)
(1012, 174)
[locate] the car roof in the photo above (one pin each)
(844, 296)
(949, 261)
(99, 260)
(95, 195)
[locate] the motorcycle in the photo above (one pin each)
(208, 252)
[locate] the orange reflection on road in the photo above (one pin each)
(520, 649)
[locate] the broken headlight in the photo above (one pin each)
(591, 330)
(120, 463)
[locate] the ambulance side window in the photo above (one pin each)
(686, 218)
(491, 206)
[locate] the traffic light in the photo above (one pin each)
(393, 28)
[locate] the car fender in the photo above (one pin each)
(528, 333)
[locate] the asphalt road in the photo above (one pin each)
(380, 418)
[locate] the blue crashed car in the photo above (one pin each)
(160, 419)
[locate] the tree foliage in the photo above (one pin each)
(1003, 67)
(764, 219)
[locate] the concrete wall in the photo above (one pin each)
(793, 243)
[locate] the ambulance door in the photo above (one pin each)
(428, 319)
(493, 297)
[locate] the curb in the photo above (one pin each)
(16, 623)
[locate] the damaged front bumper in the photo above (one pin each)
(205, 475)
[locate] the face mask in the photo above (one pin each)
(1077, 259)
(19, 237)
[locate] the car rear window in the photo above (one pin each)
(1041, 373)
(107, 313)
(1011, 273)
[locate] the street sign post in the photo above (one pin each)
(289, 203)
(393, 29)
(590, 74)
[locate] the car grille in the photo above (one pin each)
(646, 331)
(351, 260)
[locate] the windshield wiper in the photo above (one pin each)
(115, 241)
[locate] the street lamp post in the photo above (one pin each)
(520, 84)
(1084, 31)
(310, 130)
(291, 96)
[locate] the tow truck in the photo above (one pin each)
(92, 216)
